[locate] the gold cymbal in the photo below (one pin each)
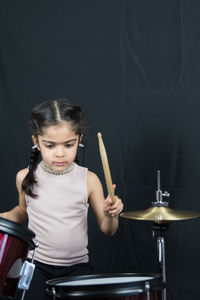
(160, 214)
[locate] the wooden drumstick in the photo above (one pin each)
(106, 168)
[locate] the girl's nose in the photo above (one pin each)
(60, 152)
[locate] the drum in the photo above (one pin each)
(15, 241)
(125, 286)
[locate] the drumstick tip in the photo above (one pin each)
(99, 134)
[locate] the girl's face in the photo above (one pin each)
(58, 145)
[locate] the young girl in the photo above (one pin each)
(54, 195)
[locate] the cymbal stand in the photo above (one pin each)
(158, 233)
(159, 229)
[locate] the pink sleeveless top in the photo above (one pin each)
(58, 216)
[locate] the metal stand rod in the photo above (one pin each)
(158, 232)
(32, 261)
(23, 294)
(161, 258)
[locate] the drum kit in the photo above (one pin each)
(127, 286)
(16, 272)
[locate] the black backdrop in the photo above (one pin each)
(134, 67)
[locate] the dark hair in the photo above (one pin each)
(46, 114)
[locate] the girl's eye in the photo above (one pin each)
(49, 146)
(69, 145)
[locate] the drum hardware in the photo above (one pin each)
(15, 242)
(53, 293)
(147, 288)
(26, 273)
(125, 286)
(160, 214)
(158, 233)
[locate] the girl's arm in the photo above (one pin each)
(106, 213)
(18, 213)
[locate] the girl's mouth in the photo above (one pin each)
(59, 163)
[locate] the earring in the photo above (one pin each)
(81, 145)
(34, 147)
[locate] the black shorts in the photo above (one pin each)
(44, 272)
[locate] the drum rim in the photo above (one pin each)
(17, 230)
(52, 282)
(104, 290)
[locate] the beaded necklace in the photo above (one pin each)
(48, 170)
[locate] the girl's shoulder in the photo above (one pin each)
(92, 178)
(21, 175)
(91, 175)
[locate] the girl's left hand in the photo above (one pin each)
(113, 209)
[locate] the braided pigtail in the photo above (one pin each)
(29, 180)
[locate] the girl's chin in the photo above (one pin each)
(59, 168)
